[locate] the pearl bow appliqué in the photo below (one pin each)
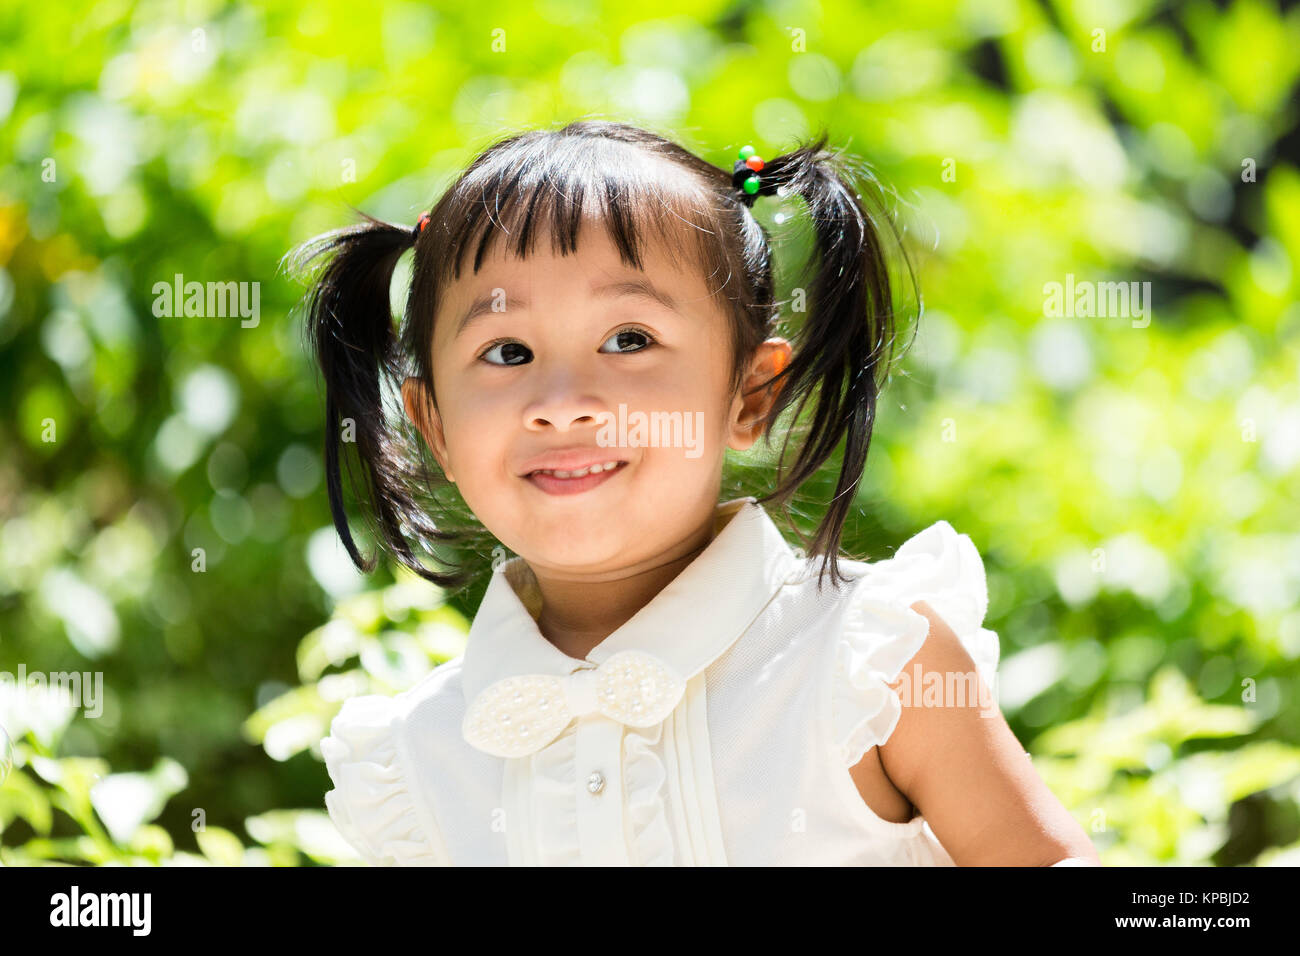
(519, 715)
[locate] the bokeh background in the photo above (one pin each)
(1131, 486)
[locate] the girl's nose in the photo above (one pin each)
(562, 420)
(564, 406)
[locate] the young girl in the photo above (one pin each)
(655, 678)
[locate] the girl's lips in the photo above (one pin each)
(571, 486)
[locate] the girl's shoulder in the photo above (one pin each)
(880, 630)
(374, 803)
(937, 565)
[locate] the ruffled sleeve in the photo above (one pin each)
(371, 803)
(881, 632)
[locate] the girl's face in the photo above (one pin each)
(562, 355)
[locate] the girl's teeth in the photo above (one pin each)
(580, 472)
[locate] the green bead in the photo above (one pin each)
(750, 185)
(746, 152)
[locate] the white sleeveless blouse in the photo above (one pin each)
(716, 727)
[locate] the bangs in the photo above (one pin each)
(552, 184)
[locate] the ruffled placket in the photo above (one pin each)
(602, 794)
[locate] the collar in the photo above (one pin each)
(687, 625)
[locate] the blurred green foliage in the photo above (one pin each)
(1131, 488)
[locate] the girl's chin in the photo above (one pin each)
(580, 544)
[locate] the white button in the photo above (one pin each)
(596, 782)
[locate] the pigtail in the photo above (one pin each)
(349, 325)
(843, 351)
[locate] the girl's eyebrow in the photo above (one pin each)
(641, 288)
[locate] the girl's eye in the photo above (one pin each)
(628, 337)
(509, 352)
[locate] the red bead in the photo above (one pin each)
(755, 163)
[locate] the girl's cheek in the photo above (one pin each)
(486, 424)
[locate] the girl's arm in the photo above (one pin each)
(969, 776)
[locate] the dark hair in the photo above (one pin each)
(547, 181)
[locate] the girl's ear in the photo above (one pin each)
(752, 405)
(424, 415)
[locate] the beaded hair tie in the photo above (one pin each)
(745, 178)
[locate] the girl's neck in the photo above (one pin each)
(576, 615)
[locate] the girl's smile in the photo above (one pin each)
(579, 477)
